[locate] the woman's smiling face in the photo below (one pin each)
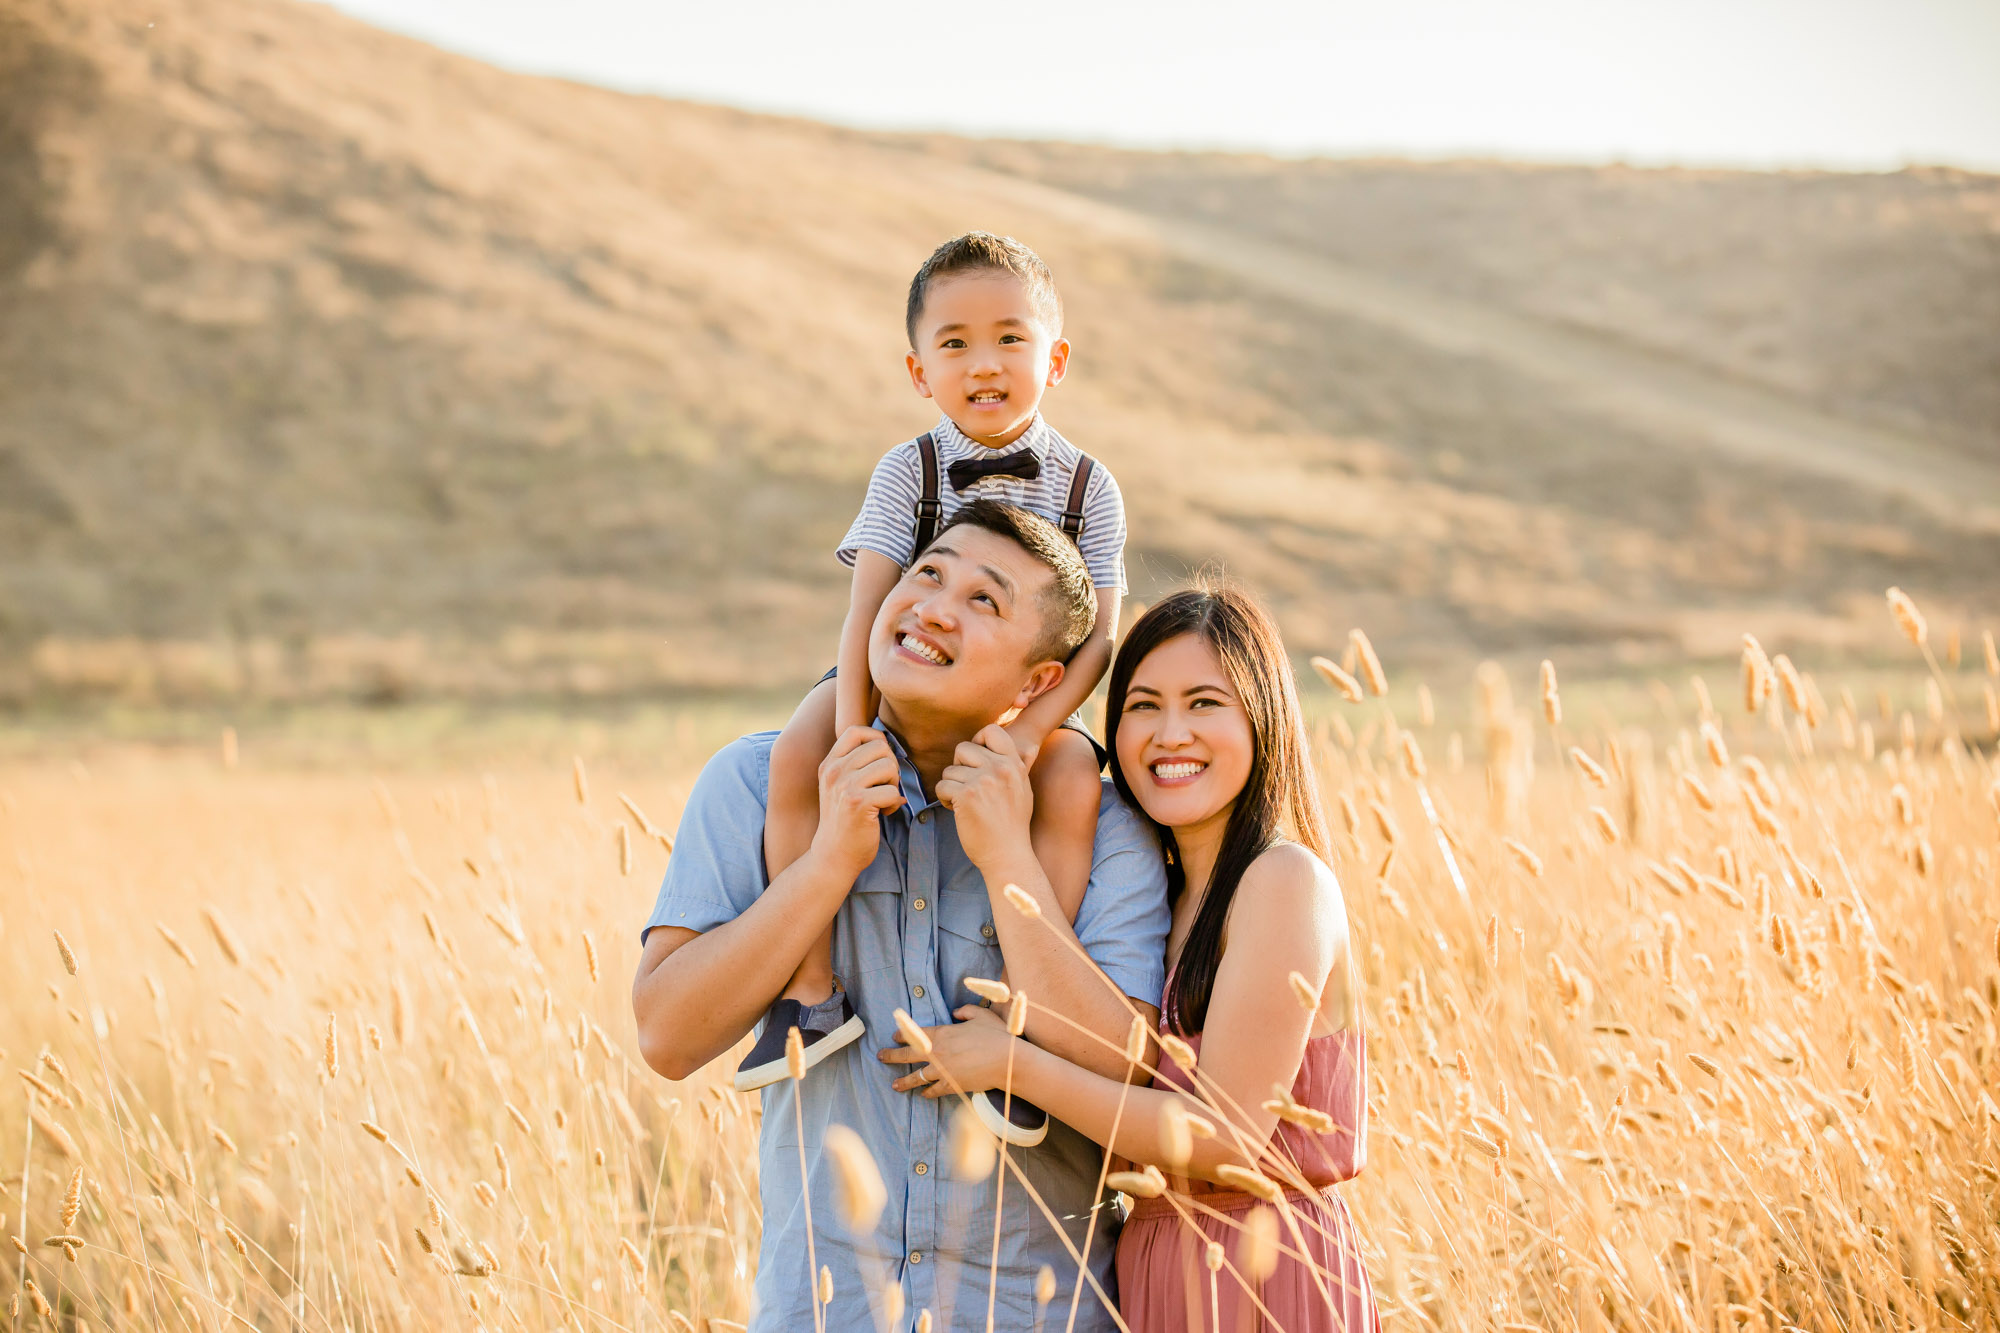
(1184, 740)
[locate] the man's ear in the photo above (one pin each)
(1040, 681)
(917, 380)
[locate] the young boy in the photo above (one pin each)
(985, 329)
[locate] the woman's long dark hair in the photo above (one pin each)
(1280, 798)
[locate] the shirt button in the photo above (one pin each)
(917, 991)
(923, 816)
(918, 904)
(987, 930)
(923, 1168)
(916, 1256)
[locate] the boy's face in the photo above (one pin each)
(985, 356)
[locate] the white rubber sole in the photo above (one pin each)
(1004, 1129)
(762, 1076)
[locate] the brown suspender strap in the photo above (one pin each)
(929, 510)
(1072, 519)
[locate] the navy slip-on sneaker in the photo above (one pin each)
(1022, 1124)
(824, 1028)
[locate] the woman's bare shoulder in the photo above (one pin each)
(1285, 889)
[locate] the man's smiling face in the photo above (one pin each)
(958, 634)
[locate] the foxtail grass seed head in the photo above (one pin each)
(68, 958)
(1345, 685)
(924, 1321)
(1177, 1050)
(174, 943)
(1045, 1285)
(1992, 651)
(795, 1054)
(1711, 740)
(225, 939)
(331, 1051)
(1017, 1014)
(892, 1306)
(1369, 664)
(1021, 901)
(1698, 791)
(388, 1257)
(1413, 759)
(911, 1034)
(581, 782)
(72, 1199)
(1528, 860)
(974, 1150)
(1305, 992)
(1552, 707)
(1176, 1139)
(624, 849)
(1254, 1183)
(1908, 617)
(1795, 688)
(1145, 1183)
(1592, 772)
(1135, 1040)
(1493, 942)
(1214, 1257)
(861, 1195)
(995, 993)
(589, 953)
(1260, 1244)
(1756, 674)
(825, 1285)
(1607, 827)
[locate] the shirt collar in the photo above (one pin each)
(1035, 439)
(908, 781)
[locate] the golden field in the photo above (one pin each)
(1711, 1044)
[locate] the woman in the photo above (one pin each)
(1206, 738)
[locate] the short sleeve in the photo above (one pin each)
(1103, 542)
(1122, 923)
(887, 521)
(717, 867)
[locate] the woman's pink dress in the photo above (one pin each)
(1163, 1277)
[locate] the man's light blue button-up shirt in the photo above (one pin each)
(918, 923)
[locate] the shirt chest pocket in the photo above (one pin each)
(968, 943)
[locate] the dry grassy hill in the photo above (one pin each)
(329, 361)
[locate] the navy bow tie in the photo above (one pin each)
(1021, 463)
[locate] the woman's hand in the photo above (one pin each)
(968, 1056)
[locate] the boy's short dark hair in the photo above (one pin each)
(983, 252)
(1069, 604)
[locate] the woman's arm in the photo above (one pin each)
(1085, 668)
(854, 689)
(1287, 918)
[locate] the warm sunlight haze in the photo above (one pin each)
(1858, 83)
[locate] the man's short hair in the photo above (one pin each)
(983, 252)
(1069, 603)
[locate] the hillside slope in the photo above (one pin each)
(314, 338)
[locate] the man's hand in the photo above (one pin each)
(987, 789)
(859, 781)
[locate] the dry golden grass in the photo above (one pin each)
(338, 1052)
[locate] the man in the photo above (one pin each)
(977, 626)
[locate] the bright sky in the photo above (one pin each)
(1858, 83)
